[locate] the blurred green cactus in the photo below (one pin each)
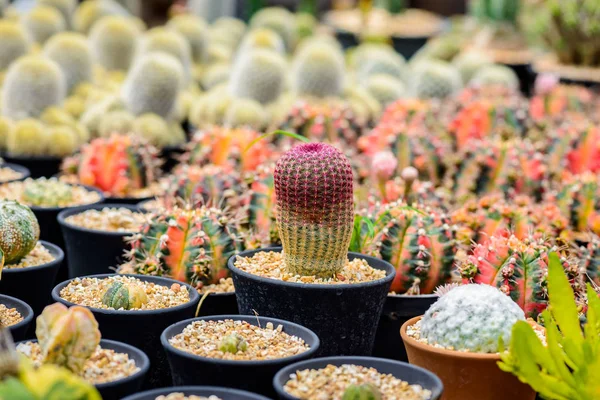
(366, 391)
(44, 192)
(124, 296)
(233, 343)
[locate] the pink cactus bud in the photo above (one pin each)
(544, 83)
(384, 165)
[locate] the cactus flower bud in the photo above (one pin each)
(544, 83)
(233, 343)
(384, 165)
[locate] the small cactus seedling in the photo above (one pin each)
(44, 192)
(233, 344)
(67, 336)
(315, 215)
(20, 231)
(124, 296)
(366, 391)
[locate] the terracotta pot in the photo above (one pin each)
(466, 376)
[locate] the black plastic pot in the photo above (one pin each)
(408, 46)
(33, 285)
(565, 80)
(126, 200)
(19, 168)
(254, 376)
(20, 329)
(219, 304)
(123, 387)
(346, 38)
(404, 371)
(205, 391)
(526, 78)
(396, 311)
(344, 316)
(38, 166)
(92, 251)
(142, 328)
(171, 155)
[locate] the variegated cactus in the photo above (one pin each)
(20, 231)
(315, 215)
(121, 295)
(67, 336)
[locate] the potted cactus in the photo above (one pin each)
(70, 338)
(16, 315)
(133, 309)
(12, 172)
(29, 266)
(95, 236)
(313, 280)
(236, 351)
(458, 340)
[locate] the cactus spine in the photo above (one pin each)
(315, 215)
(20, 231)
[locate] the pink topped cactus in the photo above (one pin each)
(315, 210)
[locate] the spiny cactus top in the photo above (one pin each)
(315, 215)
(471, 317)
(19, 229)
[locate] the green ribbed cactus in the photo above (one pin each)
(497, 75)
(113, 41)
(379, 59)
(153, 84)
(365, 391)
(67, 336)
(157, 131)
(279, 20)
(471, 317)
(72, 54)
(495, 10)
(262, 38)
(91, 11)
(435, 79)
(318, 71)
(44, 192)
(315, 209)
(195, 31)
(469, 63)
(27, 137)
(233, 344)
(31, 85)
(246, 112)
(20, 231)
(42, 22)
(124, 295)
(13, 44)
(65, 7)
(163, 40)
(385, 88)
(258, 75)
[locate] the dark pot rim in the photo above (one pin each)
(27, 316)
(121, 348)
(142, 203)
(390, 272)
(58, 209)
(96, 206)
(19, 168)
(215, 390)
(283, 374)
(194, 296)
(176, 328)
(56, 251)
(416, 296)
(132, 200)
(29, 157)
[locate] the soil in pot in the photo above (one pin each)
(95, 236)
(342, 311)
(33, 277)
(196, 393)
(116, 369)
(241, 352)
(168, 301)
(13, 173)
(330, 377)
(16, 315)
(38, 166)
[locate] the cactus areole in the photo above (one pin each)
(315, 210)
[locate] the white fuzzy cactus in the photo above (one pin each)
(258, 75)
(471, 317)
(71, 52)
(319, 71)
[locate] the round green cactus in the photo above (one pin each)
(195, 31)
(31, 85)
(319, 71)
(124, 296)
(435, 79)
(163, 40)
(233, 343)
(258, 75)
(117, 121)
(13, 44)
(113, 41)
(42, 22)
(215, 74)
(380, 60)
(61, 141)
(72, 54)
(471, 317)
(157, 131)
(469, 63)
(153, 84)
(496, 74)
(279, 20)
(44, 192)
(385, 88)
(27, 137)
(365, 391)
(246, 112)
(20, 231)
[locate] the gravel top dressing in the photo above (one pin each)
(269, 264)
(103, 366)
(225, 285)
(332, 381)
(80, 195)
(181, 396)
(38, 256)
(108, 219)
(9, 174)
(90, 291)
(204, 338)
(9, 316)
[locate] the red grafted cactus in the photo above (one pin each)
(315, 210)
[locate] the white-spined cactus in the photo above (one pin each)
(195, 31)
(262, 38)
(471, 317)
(32, 84)
(246, 113)
(153, 84)
(163, 40)
(470, 62)
(258, 75)
(42, 22)
(435, 79)
(379, 59)
(319, 71)
(71, 52)
(13, 44)
(65, 7)
(91, 11)
(279, 20)
(498, 75)
(113, 41)
(385, 88)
